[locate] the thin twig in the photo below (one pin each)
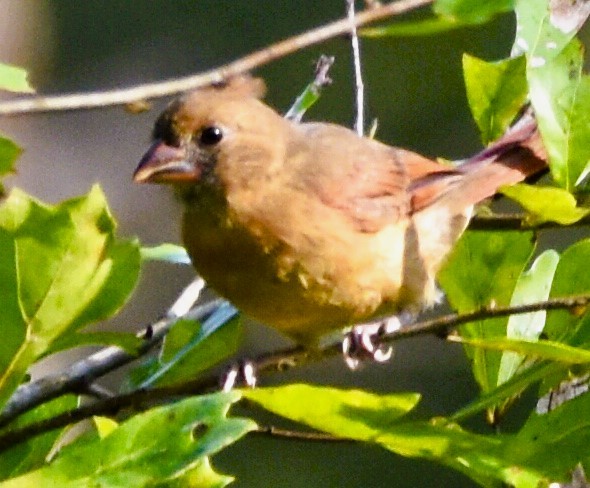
(77, 377)
(259, 58)
(359, 123)
(298, 435)
(278, 361)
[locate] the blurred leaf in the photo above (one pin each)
(571, 278)
(481, 271)
(546, 204)
(190, 349)
(542, 349)
(472, 11)
(354, 414)
(511, 388)
(495, 92)
(532, 286)
(554, 442)
(104, 426)
(32, 453)
(424, 27)
(170, 253)
(14, 79)
(559, 93)
(9, 152)
(61, 269)
(160, 447)
(452, 14)
(125, 340)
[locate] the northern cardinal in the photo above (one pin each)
(308, 227)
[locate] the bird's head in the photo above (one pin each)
(213, 136)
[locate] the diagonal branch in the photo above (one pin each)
(278, 361)
(80, 375)
(259, 58)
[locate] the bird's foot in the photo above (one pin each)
(363, 342)
(239, 373)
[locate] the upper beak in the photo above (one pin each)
(165, 164)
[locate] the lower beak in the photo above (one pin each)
(165, 164)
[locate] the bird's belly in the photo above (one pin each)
(304, 294)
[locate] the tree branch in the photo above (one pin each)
(278, 361)
(264, 56)
(80, 375)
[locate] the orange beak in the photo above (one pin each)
(165, 164)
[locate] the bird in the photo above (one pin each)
(308, 227)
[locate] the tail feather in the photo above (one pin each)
(512, 158)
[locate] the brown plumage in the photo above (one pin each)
(308, 227)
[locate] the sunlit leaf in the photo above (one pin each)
(546, 204)
(9, 152)
(62, 268)
(532, 286)
(559, 92)
(495, 92)
(14, 79)
(355, 414)
(157, 448)
(379, 419)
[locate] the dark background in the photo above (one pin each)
(414, 87)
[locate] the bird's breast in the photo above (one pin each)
(299, 267)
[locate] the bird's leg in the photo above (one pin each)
(362, 343)
(240, 372)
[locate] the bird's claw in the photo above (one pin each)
(242, 372)
(362, 343)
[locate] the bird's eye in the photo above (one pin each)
(210, 136)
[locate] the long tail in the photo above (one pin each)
(518, 154)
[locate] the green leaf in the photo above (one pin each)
(61, 269)
(546, 204)
(559, 93)
(542, 349)
(539, 32)
(532, 286)
(426, 27)
(472, 11)
(160, 447)
(554, 443)
(453, 14)
(495, 92)
(482, 271)
(9, 152)
(104, 426)
(13, 78)
(170, 253)
(571, 278)
(190, 349)
(127, 341)
(32, 453)
(511, 388)
(379, 419)
(354, 414)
